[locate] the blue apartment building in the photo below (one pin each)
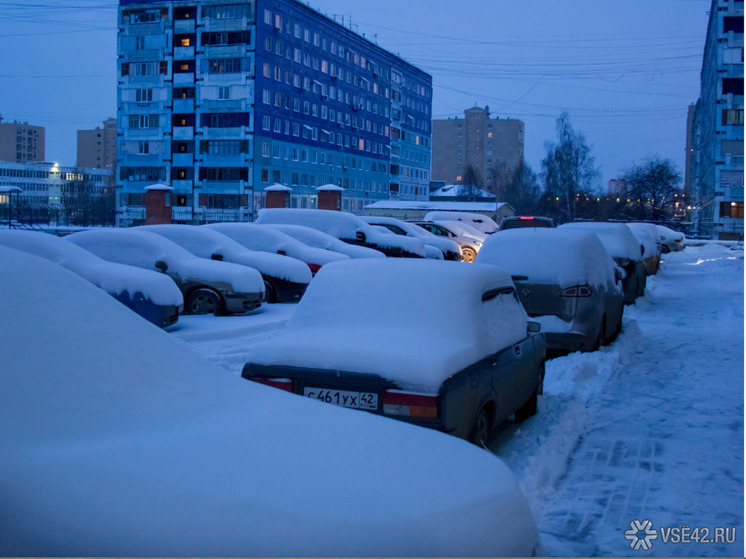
(715, 160)
(220, 99)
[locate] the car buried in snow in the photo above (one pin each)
(429, 342)
(150, 294)
(525, 222)
(208, 286)
(449, 249)
(285, 278)
(565, 280)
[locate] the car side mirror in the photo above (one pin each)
(642, 250)
(618, 275)
(533, 327)
(216, 256)
(161, 265)
(360, 236)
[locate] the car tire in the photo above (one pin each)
(481, 431)
(270, 291)
(203, 301)
(468, 254)
(601, 337)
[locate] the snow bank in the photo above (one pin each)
(341, 225)
(143, 249)
(552, 256)
(123, 442)
(109, 276)
(204, 242)
(415, 322)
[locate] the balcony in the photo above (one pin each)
(183, 105)
(186, 78)
(183, 159)
(184, 26)
(183, 133)
(142, 55)
(183, 53)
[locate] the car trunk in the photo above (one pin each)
(541, 299)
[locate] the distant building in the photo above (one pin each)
(49, 193)
(222, 98)
(715, 129)
(617, 187)
(97, 149)
(21, 142)
(484, 143)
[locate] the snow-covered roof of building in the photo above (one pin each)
(432, 205)
(459, 190)
(278, 188)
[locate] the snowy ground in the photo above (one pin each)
(648, 428)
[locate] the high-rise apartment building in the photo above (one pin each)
(221, 99)
(715, 142)
(97, 149)
(485, 144)
(21, 142)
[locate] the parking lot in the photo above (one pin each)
(649, 427)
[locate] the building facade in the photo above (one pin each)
(49, 193)
(21, 142)
(715, 143)
(487, 145)
(97, 149)
(221, 99)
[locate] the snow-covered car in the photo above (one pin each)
(285, 278)
(453, 230)
(524, 221)
(672, 241)
(431, 342)
(346, 227)
(319, 239)
(625, 249)
(565, 280)
(208, 286)
(150, 294)
(647, 234)
(450, 249)
(266, 239)
(169, 455)
(480, 222)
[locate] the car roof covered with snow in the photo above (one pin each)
(342, 225)
(413, 230)
(315, 238)
(367, 316)
(143, 249)
(481, 222)
(204, 242)
(549, 255)
(112, 277)
(618, 239)
(258, 237)
(122, 441)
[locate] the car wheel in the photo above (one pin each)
(270, 291)
(468, 254)
(481, 430)
(203, 301)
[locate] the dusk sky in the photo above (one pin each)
(625, 71)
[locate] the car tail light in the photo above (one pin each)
(525, 218)
(282, 252)
(314, 268)
(281, 383)
(577, 291)
(409, 404)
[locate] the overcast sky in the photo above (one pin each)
(625, 71)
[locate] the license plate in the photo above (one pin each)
(357, 400)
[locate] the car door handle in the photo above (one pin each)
(517, 350)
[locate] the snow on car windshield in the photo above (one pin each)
(414, 322)
(565, 257)
(339, 224)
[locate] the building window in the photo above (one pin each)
(144, 95)
(224, 92)
(733, 85)
(731, 209)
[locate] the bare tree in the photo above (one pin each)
(471, 184)
(518, 187)
(652, 187)
(569, 168)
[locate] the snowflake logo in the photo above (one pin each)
(641, 535)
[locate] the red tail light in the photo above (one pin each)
(282, 252)
(523, 217)
(281, 383)
(409, 404)
(314, 268)
(577, 291)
